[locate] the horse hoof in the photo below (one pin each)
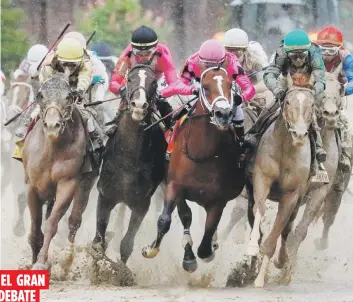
(259, 283)
(149, 252)
(321, 243)
(97, 251)
(278, 264)
(66, 257)
(253, 250)
(209, 259)
(40, 266)
(19, 230)
(190, 265)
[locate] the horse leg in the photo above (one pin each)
(262, 185)
(19, 229)
(332, 203)
(164, 220)
(79, 206)
(268, 248)
(104, 208)
(64, 194)
(237, 214)
(119, 224)
(209, 241)
(185, 215)
(136, 218)
(36, 236)
(311, 209)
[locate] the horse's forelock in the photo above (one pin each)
(55, 89)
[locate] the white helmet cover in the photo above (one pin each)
(236, 38)
(77, 36)
(36, 53)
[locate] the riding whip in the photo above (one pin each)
(169, 114)
(100, 102)
(18, 114)
(56, 41)
(90, 38)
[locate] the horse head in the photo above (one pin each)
(297, 112)
(215, 96)
(329, 106)
(141, 91)
(56, 104)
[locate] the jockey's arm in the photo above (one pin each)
(181, 85)
(85, 75)
(238, 74)
(274, 70)
(119, 72)
(348, 72)
(318, 71)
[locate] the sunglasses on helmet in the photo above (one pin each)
(298, 55)
(143, 52)
(329, 50)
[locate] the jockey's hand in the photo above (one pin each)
(279, 94)
(196, 92)
(77, 94)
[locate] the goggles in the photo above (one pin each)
(211, 63)
(329, 50)
(298, 55)
(143, 52)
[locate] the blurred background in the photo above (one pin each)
(183, 24)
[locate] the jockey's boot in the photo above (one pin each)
(165, 108)
(320, 152)
(22, 129)
(239, 131)
(97, 145)
(254, 134)
(344, 162)
(113, 124)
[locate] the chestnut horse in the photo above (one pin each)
(203, 168)
(53, 159)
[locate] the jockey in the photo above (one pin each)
(237, 42)
(295, 54)
(330, 40)
(145, 49)
(105, 53)
(70, 56)
(28, 66)
(213, 53)
(100, 78)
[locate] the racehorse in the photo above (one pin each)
(54, 157)
(203, 168)
(280, 173)
(134, 162)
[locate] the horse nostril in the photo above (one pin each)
(145, 105)
(337, 113)
(326, 112)
(133, 104)
(45, 124)
(57, 125)
(306, 133)
(218, 114)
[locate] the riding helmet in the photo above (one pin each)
(144, 38)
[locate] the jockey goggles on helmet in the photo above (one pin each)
(298, 55)
(72, 66)
(211, 63)
(329, 50)
(143, 52)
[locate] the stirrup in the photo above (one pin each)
(321, 175)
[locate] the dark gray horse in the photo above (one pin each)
(134, 161)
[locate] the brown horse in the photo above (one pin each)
(134, 162)
(53, 158)
(203, 168)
